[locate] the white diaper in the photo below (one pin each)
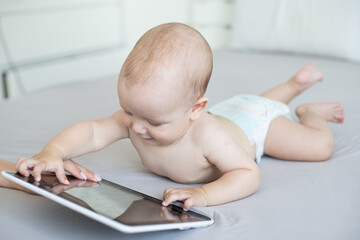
(253, 115)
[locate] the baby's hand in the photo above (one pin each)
(49, 161)
(190, 196)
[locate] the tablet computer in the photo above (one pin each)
(114, 205)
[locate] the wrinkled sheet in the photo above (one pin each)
(296, 200)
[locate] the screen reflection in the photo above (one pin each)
(114, 201)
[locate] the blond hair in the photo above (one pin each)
(177, 48)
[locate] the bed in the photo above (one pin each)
(296, 200)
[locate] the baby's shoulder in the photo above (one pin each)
(222, 141)
(213, 130)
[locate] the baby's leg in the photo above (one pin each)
(309, 140)
(302, 80)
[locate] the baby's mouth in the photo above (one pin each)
(147, 138)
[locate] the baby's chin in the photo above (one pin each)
(161, 143)
(170, 143)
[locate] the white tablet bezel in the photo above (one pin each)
(103, 219)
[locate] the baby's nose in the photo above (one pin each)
(138, 127)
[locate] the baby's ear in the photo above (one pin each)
(198, 107)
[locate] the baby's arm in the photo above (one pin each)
(77, 140)
(240, 179)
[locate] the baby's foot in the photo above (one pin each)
(306, 77)
(332, 112)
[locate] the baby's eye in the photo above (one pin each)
(154, 124)
(127, 113)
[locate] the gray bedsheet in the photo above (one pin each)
(296, 200)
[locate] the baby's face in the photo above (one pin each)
(156, 113)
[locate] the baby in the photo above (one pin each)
(161, 90)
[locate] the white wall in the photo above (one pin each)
(53, 42)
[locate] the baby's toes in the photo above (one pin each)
(339, 117)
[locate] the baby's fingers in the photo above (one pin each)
(60, 174)
(38, 169)
(80, 172)
(19, 161)
(73, 168)
(189, 203)
(90, 174)
(25, 165)
(173, 195)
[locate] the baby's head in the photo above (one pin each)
(167, 71)
(174, 54)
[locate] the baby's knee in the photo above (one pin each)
(324, 149)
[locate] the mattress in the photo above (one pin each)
(296, 200)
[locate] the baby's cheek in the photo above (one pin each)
(165, 137)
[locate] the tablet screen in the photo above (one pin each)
(115, 201)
